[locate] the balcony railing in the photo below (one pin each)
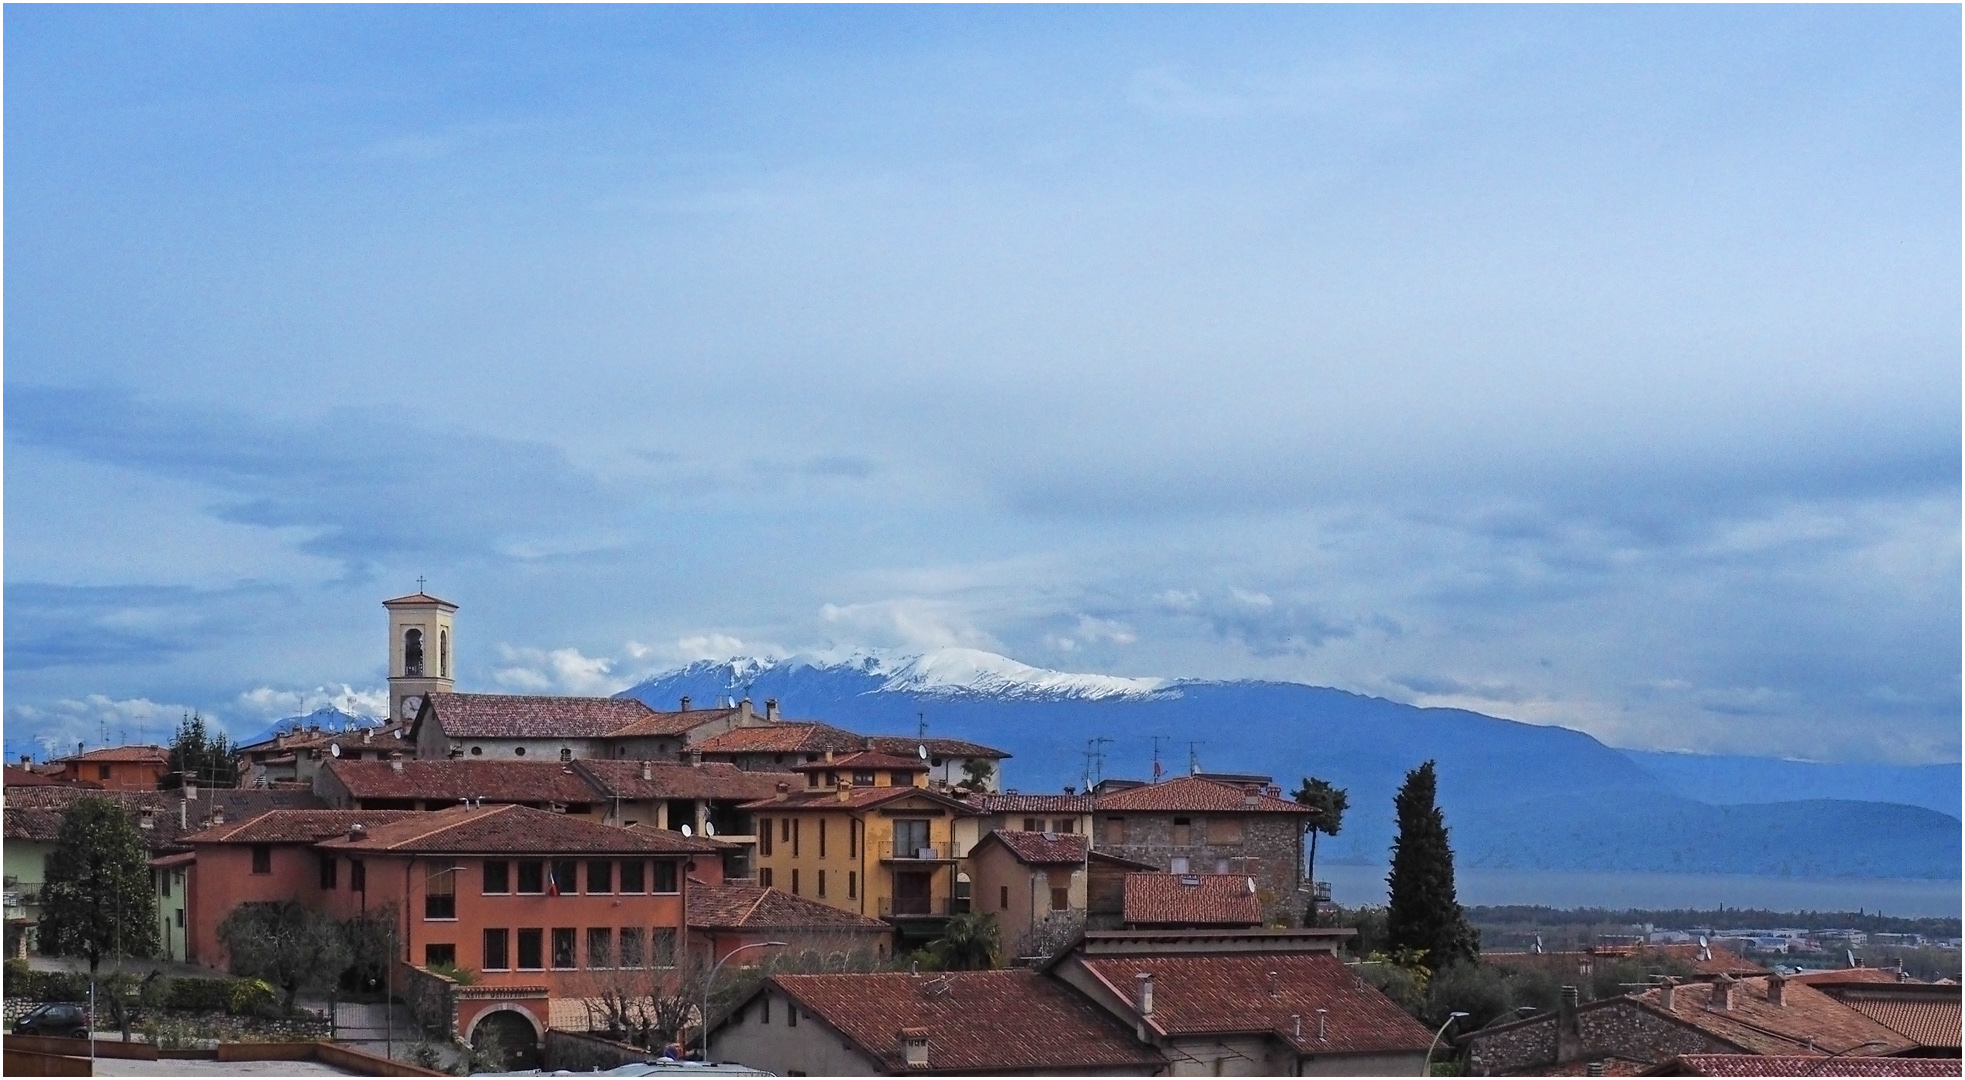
(921, 907)
(918, 853)
(1320, 891)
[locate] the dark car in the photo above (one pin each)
(56, 1018)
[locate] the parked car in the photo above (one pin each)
(56, 1018)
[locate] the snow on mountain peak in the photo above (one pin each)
(941, 672)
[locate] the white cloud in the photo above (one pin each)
(911, 623)
(100, 720)
(565, 671)
(273, 703)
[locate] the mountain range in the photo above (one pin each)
(1516, 795)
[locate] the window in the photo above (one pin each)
(822, 844)
(531, 955)
(910, 837)
(440, 896)
(477, 751)
(102, 772)
(262, 858)
(329, 866)
(665, 876)
(434, 954)
(443, 654)
(497, 876)
(822, 883)
(794, 837)
(764, 876)
(563, 946)
(632, 955)
(518, 751)
(852, 884)
(532, 876)
(852, 839)
(357, 875)
(764, 1009)
(1115, 830)
(1065, 825)
(495, 956)
(1221, 866)
(164, 884)
(784, 831)
(566, 753)
(1224, 830)
(180, 918)
(794, 881)
(1177, 865)
(634, 876)
(600, 876)
(812, 779)
(1003, 898)
(566, 877)
(600, 946)
(661, 947)
(1030, 824)
(764, 836)
(1183, 831)
(863, 779)
(900, 779)
(1060, 898)
(413, 653)
(791, 1013)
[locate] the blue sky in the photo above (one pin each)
(1593, 366)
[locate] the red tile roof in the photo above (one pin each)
(990, 802)
(712, 780)
(1929, 1023)
(384, 737)
(865, 759)
(976, 1021)
(1262, 992)
(1720, 961)
(294, 826)
(1043, 849)
(1806, 1017)
(906, 745)
(24, 778)
(526, 716)
(464, 778)
(1196, 794)
(1192, 900)
(671, 723)
(1804, 1065)
(756, 907)
(514, 829)
(784, 737)
(419, 597)
(854, 799)
(34, 813)
(155, 755)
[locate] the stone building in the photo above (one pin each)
(1194, 825)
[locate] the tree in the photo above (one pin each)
(970, 942)
(200, 755)
(97, 900)
(1424, 914)
(1330, 802)
(292, 947)
(976, 772)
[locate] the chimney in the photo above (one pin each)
(1145, 981)
(1777, 987)
(1569, 1033)
(869, 744)
(1070, 789)
(685, 703)
(365, 736)
(191, 790)
(1722, 1000)
(1666, 990)
(1273, 791)
(396, 760)
(771, 708)
(1594, 1068)
(845, 789)
(647, 771)
(218, 814)
(147, 820)
(828, 756)
(914, 1047)
(695, 757)
(744, 713)
(357, 831)
(784, 791)
(1251, 799)
(1323, 1025)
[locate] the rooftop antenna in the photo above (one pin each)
(1156, 757)
(1193, 758)
(921, 730)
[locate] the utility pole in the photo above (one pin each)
(1098, 755)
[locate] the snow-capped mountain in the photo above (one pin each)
(939, 673)
(327, 718)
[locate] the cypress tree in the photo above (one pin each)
(1424, 914)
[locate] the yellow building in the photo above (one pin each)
(866, 835)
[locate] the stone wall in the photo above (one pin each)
(1622, 1029)
(1270, 851)
(580, 1052)
(431, 999)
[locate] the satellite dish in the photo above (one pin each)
(709, 829)
(334, 749)
(685, 830)
(923, 751)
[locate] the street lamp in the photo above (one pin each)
(1426, 1069)
(710, 980)
(1860, 1046)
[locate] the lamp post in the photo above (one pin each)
(1426, 1069)
(1860, 1046)
(710, 980)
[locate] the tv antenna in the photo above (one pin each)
(1157, 739)
(1194, 758)
(921, 730)
(1095, 760)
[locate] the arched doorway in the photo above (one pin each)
(506, 1040)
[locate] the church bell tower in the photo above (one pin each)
(419, 650)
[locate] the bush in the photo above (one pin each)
(462, 976)
(199, 995)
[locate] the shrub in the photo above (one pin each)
(200, 995)
(253, 997)
(462, 976)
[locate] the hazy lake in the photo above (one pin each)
(1351, 885)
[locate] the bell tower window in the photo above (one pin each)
(413, 653)
(443, 654)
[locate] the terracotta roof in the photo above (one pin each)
(1194, 793)
(1926, 1012)
(784, 737)
(855, 799)
(865, 759)
(905, 746)
(181, 858)
(464, 778)
(419, 597)
(1755, 1024)
(711, 780)
(25, 778)
(384, 737)
(1720, 960)
(1847, 976)
(527, 716)
(756, 907)
(1260, 992)
(1043, 849)
(1192, 900)
(34, 813)
(514, 829)
(977, 1021)
(671, 723)
(1804, 1065)
(294, 826)
(150, 754)
(990, 802)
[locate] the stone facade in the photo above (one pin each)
(1266, 847)
(1617, 1028)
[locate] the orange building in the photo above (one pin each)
(119, 768)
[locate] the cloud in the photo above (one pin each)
(95, 719)
(909, 623)
(272, 703)
(561, 671)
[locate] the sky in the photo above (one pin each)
(1586, 366)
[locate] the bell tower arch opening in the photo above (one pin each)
(420, 628)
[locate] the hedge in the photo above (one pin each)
(190, 993)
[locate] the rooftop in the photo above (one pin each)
(144, 753)
(858, 798)
(755, 907)
(1194, 793)
(906, 745)
(1192, 900)
(34, 813)
(712, 780)
(463, 778)
(294, 826)
(515, 830)
(1043, 848)
(530, 716)
(784, 737)
(1803, 1065)
(975, 1021)
(671, 723)
(865, 759)
(1806, 1018)
(990, 802)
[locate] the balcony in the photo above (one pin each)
(918, 853)
(921, 907)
